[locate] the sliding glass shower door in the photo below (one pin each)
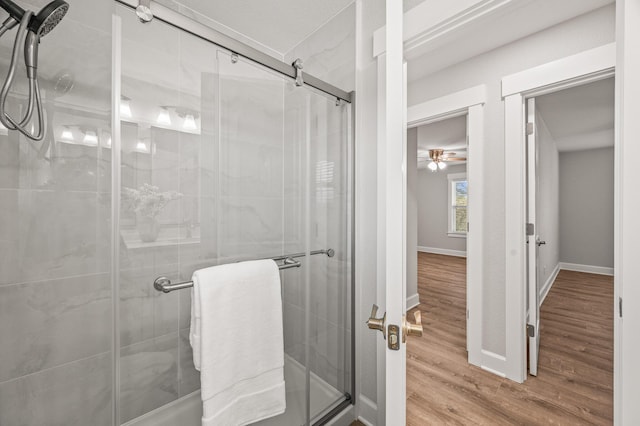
(220, 160)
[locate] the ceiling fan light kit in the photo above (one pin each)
(439, 158)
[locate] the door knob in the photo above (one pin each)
(377, 323)
(540, 243)
(409, 329)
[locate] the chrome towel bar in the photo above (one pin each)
(164, 285)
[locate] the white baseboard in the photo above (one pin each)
(447, 252)
(413, 301)
(547, 285)
(600, 270)
(494, 363)
(367, 411)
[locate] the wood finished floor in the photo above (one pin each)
(574, 385)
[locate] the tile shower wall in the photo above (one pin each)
(55, 281)
(239, 178)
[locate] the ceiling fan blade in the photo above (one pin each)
(454, 159)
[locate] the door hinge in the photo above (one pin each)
(530, 229)
(531, 330)
(529, 128)
(620, 306)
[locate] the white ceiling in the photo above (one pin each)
(277, 24)
(581, 117)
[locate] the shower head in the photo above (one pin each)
(42, 23)
(39, 26)
(32, 28)
(48, 17)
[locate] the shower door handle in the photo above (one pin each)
(377, 323)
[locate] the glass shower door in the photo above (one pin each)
(224, 160)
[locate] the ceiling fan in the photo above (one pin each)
(439, 159)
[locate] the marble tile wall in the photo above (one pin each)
(55, 281)
(242, 180)
(329, 53)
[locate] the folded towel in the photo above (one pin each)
(237, 339)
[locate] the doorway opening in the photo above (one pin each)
(570, 213)
(437, 223)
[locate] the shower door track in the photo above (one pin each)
(188, 25)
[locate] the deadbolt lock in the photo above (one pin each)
(409, 329)
(377, 323)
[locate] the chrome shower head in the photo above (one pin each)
(48, 17)
(32, 28)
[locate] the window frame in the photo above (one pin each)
(452, 179)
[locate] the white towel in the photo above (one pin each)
(237, 339)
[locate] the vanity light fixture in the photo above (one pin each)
(67, 134)
(189, 117)
(142, 147)
(90, 138)
(125, 107)
(164, 118)
(189, 122)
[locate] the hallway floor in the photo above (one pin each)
(575, 376)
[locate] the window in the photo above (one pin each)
(457, 204)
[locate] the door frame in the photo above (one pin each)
(575, 70)
(469, 102)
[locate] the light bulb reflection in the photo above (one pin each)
(90, 138)
(433, 166)
(67, 135)
(189, 122)
(442, 165)
(142, 147)
(125, 108)
(164, 118)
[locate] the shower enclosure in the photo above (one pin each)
(165, 153)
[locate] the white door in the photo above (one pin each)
(533, 302)
(392, 161)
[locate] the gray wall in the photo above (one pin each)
(576, 35)
(586, 207)
(548, 210)
(412, 212)
(432, 210)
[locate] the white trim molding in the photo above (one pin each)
(446, 252)
(626, 369)
(425, 23)
(454, 104)
(413, 301)
(493, 363)
(547, 285)
(571, 71)
(589, 269)
(597, 63)
(367, 410)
